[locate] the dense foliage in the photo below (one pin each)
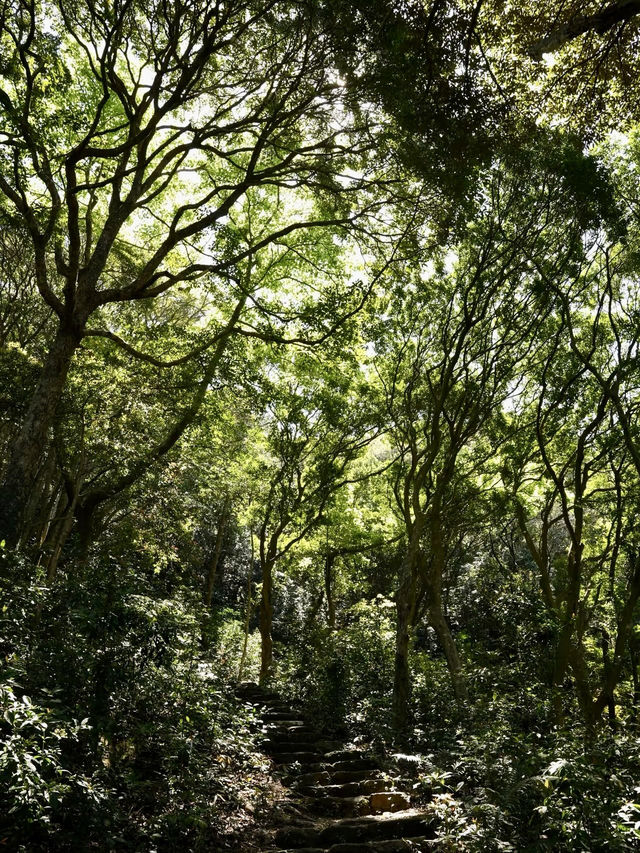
(319, 350)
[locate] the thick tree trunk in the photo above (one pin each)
(247, 616)
(560, 666)
(85, 516)
(266, 622)
(406, 599)
(37, 509)
(437, 617)
(29, 445)
(440, 625)
(582, 681)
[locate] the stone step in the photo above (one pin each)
(280, 746)
(277, 737)
(289, 717)
(351, 765)
(250, 688)
(307, 759)
(320, 777)
(341, 777)
(386, 827)
(344, 755)
(366, 804)
(396, 845)
(277, 730)
(338, 807)
(347, 789)
(278, 705)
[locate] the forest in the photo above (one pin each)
(319, 425)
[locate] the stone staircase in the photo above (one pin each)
(341, 800)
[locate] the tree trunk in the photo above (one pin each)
(608, 690)
(31, 442)
(36, 511)
(215, 557)
(328, 588)
(560, 665)
(85, 515)
(633, 656)
(402, 674)
(266, 621)
(437, 618)
(448, 644)
(247, 618)
(601, 22)
(406, 599)
(49, 514)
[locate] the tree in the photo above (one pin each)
(315, 427)
(446, 380)
(605, 19)
(584, 543)
(173, 117)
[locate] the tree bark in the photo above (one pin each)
(406, 600)
(27, 449)
(37, 510)
(448, 644)
(437, 617)
(601, 22)
(247, 617)
(266, 621)
(635, 677)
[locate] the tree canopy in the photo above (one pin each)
(319, 346)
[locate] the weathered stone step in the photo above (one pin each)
(307, 759)
(344, 755)
(351, 765)
(386, 827)
(273, 738)
(366, 804)
(396, 845)
(278, 730)
(338, 807)
(347, 789)
(281, 722)
(279, 705)
(250, 688)
(280, 746)
(341, 777)
(287, 716)
(326, 777)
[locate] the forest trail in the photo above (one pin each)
(341, 799)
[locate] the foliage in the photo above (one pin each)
(162, 738)
(319, 347)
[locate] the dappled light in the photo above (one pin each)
(319, 426)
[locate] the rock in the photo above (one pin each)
(389, 801)
(386, 827)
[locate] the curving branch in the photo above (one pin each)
(601, 22)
